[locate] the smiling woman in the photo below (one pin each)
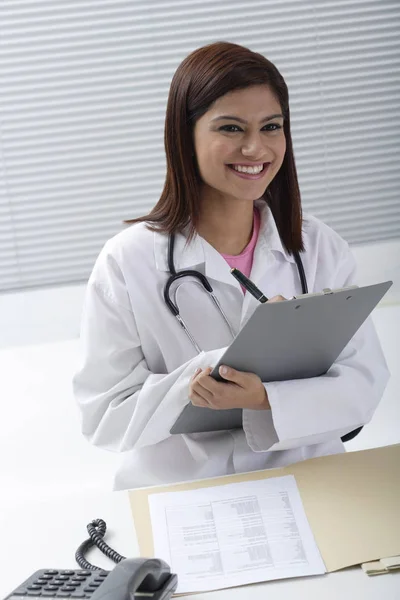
(230, 156)
(150, 333)
(227, 106)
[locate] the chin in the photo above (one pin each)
(251, 195)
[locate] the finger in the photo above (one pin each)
(277, 299)
(195, 374)
(234, 376)
(198, 400)
(202, 391)
(209, 383)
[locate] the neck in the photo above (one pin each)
(226, 224)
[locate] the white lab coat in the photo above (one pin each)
(137, 361)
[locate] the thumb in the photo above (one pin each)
(231, 374)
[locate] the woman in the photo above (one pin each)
(231, 198)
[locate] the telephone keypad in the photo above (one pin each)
(52, 583)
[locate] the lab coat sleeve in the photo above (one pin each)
(321, 409)
(123, 404)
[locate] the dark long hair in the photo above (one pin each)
(204, 76)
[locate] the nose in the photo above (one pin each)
(253, 147)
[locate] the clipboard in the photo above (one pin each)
(295, 339)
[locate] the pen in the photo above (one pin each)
(249, 285)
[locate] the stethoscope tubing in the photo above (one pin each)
(174, 276)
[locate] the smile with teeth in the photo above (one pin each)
(247, 169)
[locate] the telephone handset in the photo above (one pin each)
(149, 576)
(146, 576)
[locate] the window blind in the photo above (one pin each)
(84, 87)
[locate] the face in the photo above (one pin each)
(240, 144)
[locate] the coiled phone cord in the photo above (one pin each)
(96, 530)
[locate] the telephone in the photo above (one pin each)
(150, 577)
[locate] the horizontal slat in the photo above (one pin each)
(70, 184)
(343, 207)
(384, 235)
(77, 35)
(109, 210)
(365, 218)
(39, 63)
(57, 80)
(14, 62)
(204, 16)
(72, 246)
(84, 90)
(120, 99)
(78, 253)
(170, 57)
(106, 189)
(24, 7)
(184, 45)
(85, 10)
(55, 274)
(370, 231)
(193, 23)
(377, 186)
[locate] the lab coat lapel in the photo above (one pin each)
(262, 259)
(198, 255)
(217, 268)
(268, 246)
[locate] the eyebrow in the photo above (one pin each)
(233, 118)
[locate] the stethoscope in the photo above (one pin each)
(174, 276)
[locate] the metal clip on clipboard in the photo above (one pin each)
(325, 292)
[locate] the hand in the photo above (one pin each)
(239, 390)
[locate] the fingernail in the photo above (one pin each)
(223, 370)
(197, 371)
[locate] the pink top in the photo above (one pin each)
(244, 261)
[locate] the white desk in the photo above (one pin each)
(39, 534)
(43, 452)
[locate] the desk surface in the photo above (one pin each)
(44, 533)
(45, 529)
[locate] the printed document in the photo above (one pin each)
(234, 534)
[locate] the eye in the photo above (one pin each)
(230, 128)
(272, 127)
